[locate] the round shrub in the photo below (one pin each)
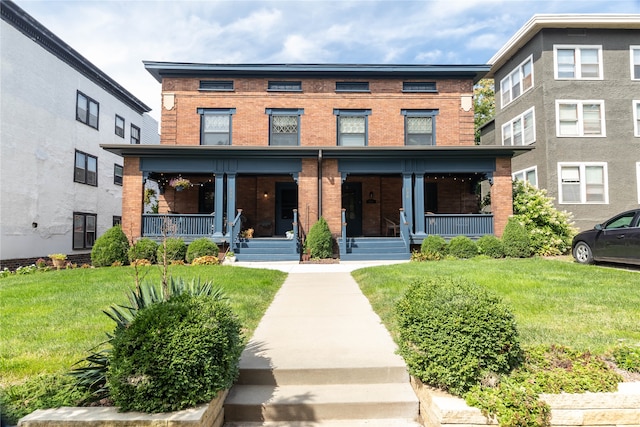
(201, 247)
(174, 355)
(491, 246)
(433, 247)
(515, 240)
(109, 248)
(319, 241)
(206, 260)
(144, 248)
(176, 250)
(462, 247)
(454, 334)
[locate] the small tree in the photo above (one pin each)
(319, 241)
(516, 240)
(110, 248)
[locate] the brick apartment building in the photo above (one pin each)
(385, 153)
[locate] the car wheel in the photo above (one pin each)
(582, 253)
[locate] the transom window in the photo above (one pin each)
(118, 173)
(86, 169)
(84, 230)
(517, 82)
(284, 126)
(216, 85)
(352, 86)
(284, 86)
(87, 110)
(529, 175)
(578, 62)
(215, 126)
(119, 126)
(419, 87)
(419, 127)
(580, 118)
(135, 134)
(583, 183)
(635, 62)
(521, 130)
(352, 127)
(636, 118)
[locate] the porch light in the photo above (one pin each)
(265, 195)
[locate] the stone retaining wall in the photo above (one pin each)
(622, 408)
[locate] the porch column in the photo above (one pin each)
(219, 204)
(231, 200)
(418, 200)
(407, 204)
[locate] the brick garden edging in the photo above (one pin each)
(622, 408)
(207, 415)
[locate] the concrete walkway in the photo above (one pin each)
(320, 356)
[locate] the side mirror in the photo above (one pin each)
(598, 227)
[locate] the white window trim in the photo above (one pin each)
(583, 183)
(636, 127)
(580, 104)
(521, 118)
(524, 173)
(522, 92)
(638, 179)
(578, 65)
(631, 64)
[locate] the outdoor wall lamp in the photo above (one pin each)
(265, 195)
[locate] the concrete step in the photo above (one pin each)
(319, 376)
(321, 402)
(332, 423)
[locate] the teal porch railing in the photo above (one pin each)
(451, 225)
(177, 225)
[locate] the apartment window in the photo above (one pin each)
(521, 130)
(517, 82)
(116, 220)
(529, 175)
(118, 173)
(215, 125)
(419, 127)
(352, 127)
(284, 126)
(135, 134)
(86, 169)
(578, 62)
(84, 230)
(216, 85)
(352, 86)
(636, 118)
(276, 86)
(419, 87)
(87, 110)
(583, 182)
(635, 62)
(580, 118)
(119, 126)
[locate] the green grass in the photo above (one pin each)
(555, 302)
(48, 320)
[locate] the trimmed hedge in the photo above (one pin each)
(462, 247)
(144, 248)
(201, 247)
(112, 247)
(490, 246)
(319, 241)
(176, 250)
(515, 240)
(433, 247)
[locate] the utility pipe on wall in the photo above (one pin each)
(319, 183)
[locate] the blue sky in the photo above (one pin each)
(118, 35)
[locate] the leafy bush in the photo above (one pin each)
(111, 247)
(201, 247)
(140, 263)
(319, 242)
(491, 246)
(206, 260)
(175, 355)
(176, 250)
(550, 230)
(454, 333)
(462, 247)
(515, 240)
(628, 358)
(433, 247)
(144, 248)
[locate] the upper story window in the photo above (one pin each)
(352, 86)
(216, 85)
(521, 130)
(284, 126)
(87, 110)
(215, 125)
(529, 175)
(583, 183)
(517, 82)
(352, 127)
(635, 62)
(135, 134)
(86, 169)
(636, 118)
(419, 127)
(118, 173)
(580, 118)
(419, 87)
(119, 126)
(277, 86)
(84, 230)
(578, 62)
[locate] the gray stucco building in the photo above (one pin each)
(569, 85)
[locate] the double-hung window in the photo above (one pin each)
(215, 125)
(119, 126)
(135, 134)
(582, 183)
(84, 230)
(635, 62)
(521, 130)
(529, 175)
(578, 62)
(86, 169)
(419, 127)
(636, 118)
(87, 110)
(580, 118)
(284, 126)
(118, 173)
(517, 82)
(352, 127)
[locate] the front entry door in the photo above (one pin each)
(286, 202)
(352, 202)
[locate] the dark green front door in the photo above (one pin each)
(352, 202)
(286, 202)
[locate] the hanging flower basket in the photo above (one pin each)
(180, 183)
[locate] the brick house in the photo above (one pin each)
(385, 153)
